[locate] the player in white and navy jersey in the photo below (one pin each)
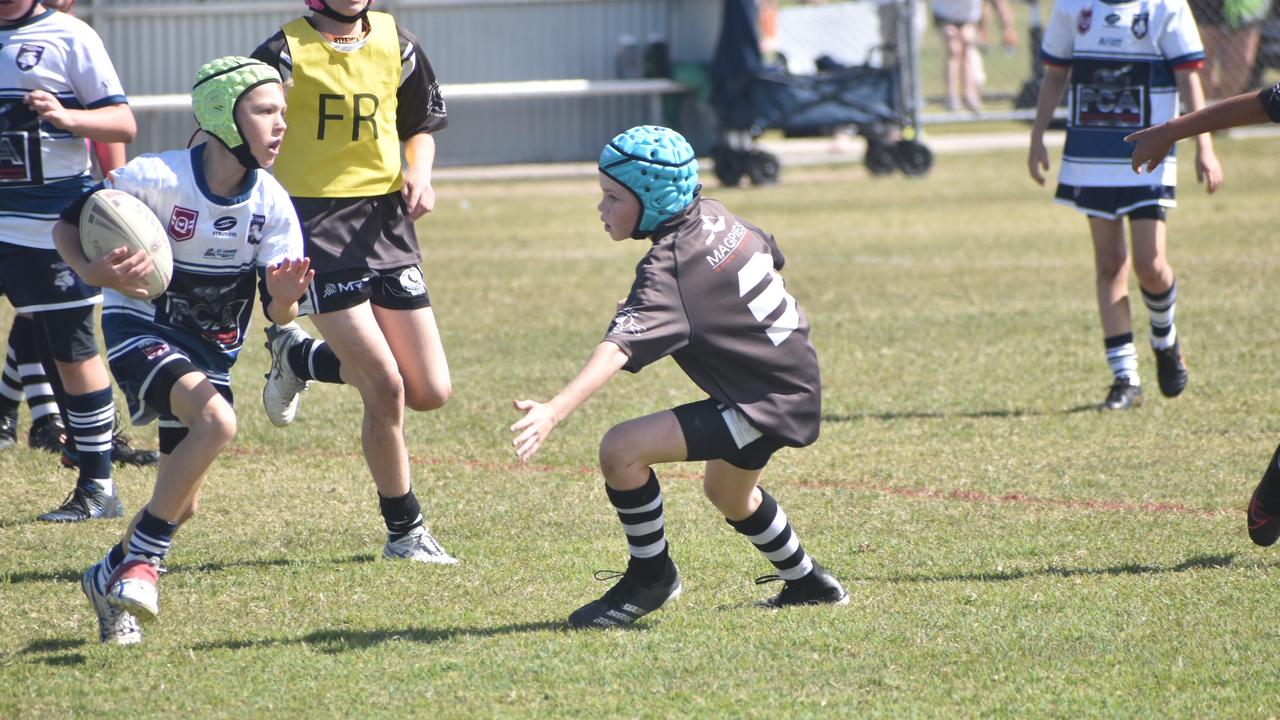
(234, 236)
(57, 88)
(1124, 65)
(709, 294)
(1153, 145)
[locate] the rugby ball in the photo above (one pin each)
(111, 219)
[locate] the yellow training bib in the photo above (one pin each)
(342, 139)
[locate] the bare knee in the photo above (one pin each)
(216, 425)
(432, 397)
(614, 455)
(733, 502)
(1111, 266)
(1152, 275)
(383, 395)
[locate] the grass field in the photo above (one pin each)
(1010, 551)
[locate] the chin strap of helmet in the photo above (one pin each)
(323, 8)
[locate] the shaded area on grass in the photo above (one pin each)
(1196, 562)
(335, 641)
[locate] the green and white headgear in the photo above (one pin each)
(220, 84)
(659, 168)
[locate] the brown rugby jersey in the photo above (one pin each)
(708, 293)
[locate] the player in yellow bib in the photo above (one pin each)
(361, 88)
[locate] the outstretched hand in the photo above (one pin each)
(1149, 148)
(288, 279)
(538, 422)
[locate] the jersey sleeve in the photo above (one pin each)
(1180, 42)
(71, 213)
(281, 233)
(130, 177)
(1059, 36)
(274, 53)
(91, 74)
(1270, 99)
(278, 238)
(653, 322)
(419, 105)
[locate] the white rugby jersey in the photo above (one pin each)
(1122, 57)
(220, 249)
(42, 167)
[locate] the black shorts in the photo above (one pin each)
(358, 233)
(1112, 203)
(403, 288)
(713, 431)
(68, 333)
(38, 280)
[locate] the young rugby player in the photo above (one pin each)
(58, 87)
(31, 373)
(233, 227)
(708, 294)
(1126, 64)
(1150, 146)
(362, 86)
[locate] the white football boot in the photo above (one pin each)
(418, 546)
(115, 626)
(280, 393)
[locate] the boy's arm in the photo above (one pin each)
(110, 123)
(1150, 146)
(110, 155)
(419, 197)
(540, 418)
(118, 270)
(1051, 87)
(1208, 170)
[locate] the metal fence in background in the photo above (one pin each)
(158, 44)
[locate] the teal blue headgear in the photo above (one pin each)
(657, 165)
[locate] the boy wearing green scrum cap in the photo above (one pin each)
(708, 294)
(233, 228)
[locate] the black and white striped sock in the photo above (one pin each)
(1122, 356)
(769, 530)
(640, 511)
(10, 382)
(1160, 310)
(35, 383)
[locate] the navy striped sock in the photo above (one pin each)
(107, 567)
(1160, 311)
(92, 418)
(151, 537)
(315, 360)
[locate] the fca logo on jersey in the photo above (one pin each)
(359, 103)
(1111, 99)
